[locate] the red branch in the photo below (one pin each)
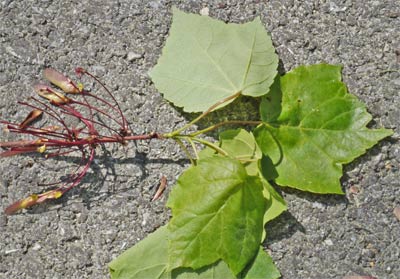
(62, 139)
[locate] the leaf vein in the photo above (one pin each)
(249, 62)
(198, 84)
(214, 63)
(323, 103)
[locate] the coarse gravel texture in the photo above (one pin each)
(120, 41)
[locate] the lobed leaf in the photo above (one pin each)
(217, 213)
(205, 61)
(319, 128)
(242, 145)
(149, 259)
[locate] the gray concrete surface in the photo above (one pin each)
(319, 237)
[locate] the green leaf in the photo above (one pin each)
(239, 144)
(320, 127)
(217, 211)
(217, 270)
(147, 259)
(271, 104)
(262, 267)
(205, 61)
(275, 205)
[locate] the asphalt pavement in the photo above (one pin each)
(120, 41)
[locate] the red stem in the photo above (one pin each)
(124, 122)
(79, 142)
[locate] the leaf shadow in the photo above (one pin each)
(325, 199)
(102, 171)
(286, 224)
(282, 227)
(357, 163)
(242, 108)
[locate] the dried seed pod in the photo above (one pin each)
(60, 80)
(32, 200)
(53, 96)
(161, 188)
(32, 116)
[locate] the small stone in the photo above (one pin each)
(205, 11)
(328, 242)
(318, 205)
(36, 247)
(354, 189)
(133, 56)
(359, 277)
(393, 14)
(11, 251)
(396, 212)
(145, 218)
